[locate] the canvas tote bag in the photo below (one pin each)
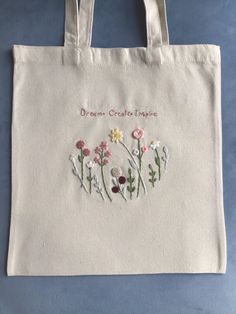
(116, 155)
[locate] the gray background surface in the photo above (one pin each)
(120, 23)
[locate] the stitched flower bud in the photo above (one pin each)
(86, 152)
(115, 189)
(80, 144)
(90, 164)
(122, 180)
(104, 145)
(105, 161)
(98, 150)
(96, 160)
(108, 153)
(135, 152)
(116, 172)
(145, 149)
(138, 133)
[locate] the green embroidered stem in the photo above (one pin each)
(152, 174)
(158, 163)
(76, 173)
(140, 165)
(136, 166)
(81, 160)
(90, 179)
(103, 181)
(130, 187)
(123, 195)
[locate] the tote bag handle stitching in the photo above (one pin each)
(79, 21)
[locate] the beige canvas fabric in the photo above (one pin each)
(116, 155)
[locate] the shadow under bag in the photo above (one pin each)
(116, 155)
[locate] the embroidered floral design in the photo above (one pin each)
(129, 185)
(118, 182)
(137, 134)
(116, 172)
(116, 135)
(102, 159)
(90, 165)
(84, 152)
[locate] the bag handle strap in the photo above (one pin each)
(79, 21)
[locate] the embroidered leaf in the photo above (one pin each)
(132, 164)
(130, 180)
(152, 175)
(157, 161)
(114, 181)
(79, 158)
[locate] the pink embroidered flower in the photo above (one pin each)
(138, 133)
(108, 153)
(86, 152)
(104, 145)
(80, 144)
(106, 161)
(98, 150)
(96, 160)
(145, 149)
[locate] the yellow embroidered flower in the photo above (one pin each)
(116, 135)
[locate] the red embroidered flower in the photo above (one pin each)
(80, 144)
(122, 180)
(138, 133)
(86, 152)
(115, 189)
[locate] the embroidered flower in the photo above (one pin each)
(115, 189)
(102, 159)
(104, 145)
(90, 164)
(98, 150)
(116, 135)
(145, 149)
(96, 160)
(106, 161)
(138, 133)
(154, 145)
(86, 152)
(80, 144)
(135, 152)
(116, 172)
(122, 180)
(108, 154)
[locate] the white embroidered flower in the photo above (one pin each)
(116, 172)
(72, 157)
(135, 152)
(90, 164)
(155, 145)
